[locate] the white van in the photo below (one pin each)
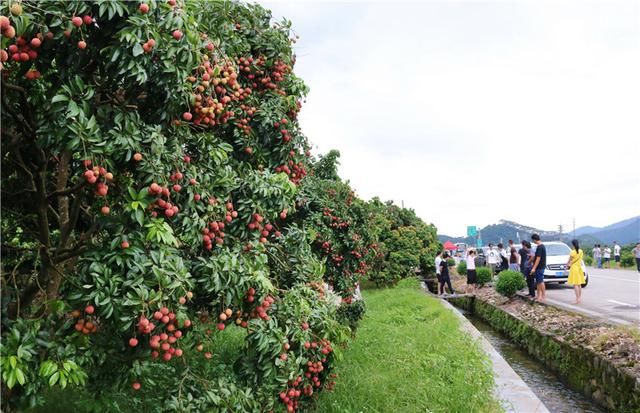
(557, 257)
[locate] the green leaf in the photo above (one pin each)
(59, 98)
(47, 368)
(137, 50)
(11, 380)
(73, 109)
(132, 193)
(54, 379)
(139, 216)
(20, 377)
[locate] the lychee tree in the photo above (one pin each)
(167, 240)
(405, 243)
(151, 158)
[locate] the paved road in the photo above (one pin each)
(612, 295)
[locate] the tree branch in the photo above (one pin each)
(25, 102)
(71, 254)
(75, 212)
(27, 127)
(66, 191)
(78, 248)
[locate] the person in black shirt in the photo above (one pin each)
(444, 274)
(539, 264)
(525, 267)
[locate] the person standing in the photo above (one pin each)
(438, 261)
(636, 253)
(539, 264)
(504, 259)
(576, 274)
(597, 256)
(444, 274)
(514, 260)
(606, 256)
(616, 253)
(472, 278)
(526, 261)
(492, 259)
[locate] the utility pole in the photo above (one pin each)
(402, 203)
(560, 232)
(574, 228)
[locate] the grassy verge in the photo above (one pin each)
(410, 356)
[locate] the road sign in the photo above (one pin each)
(471, 231)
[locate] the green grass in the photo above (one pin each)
(410, 356)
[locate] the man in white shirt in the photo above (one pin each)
(616, 253)
(471, 272)
(438, 261)
(493, 258)
(606, 254)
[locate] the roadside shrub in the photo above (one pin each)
(627, 260)
(462, 268)
(451, 262)
(509, 282)
(588, 260)
(483, 275)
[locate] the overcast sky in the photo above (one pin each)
(471, 112)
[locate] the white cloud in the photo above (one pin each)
(472, 112)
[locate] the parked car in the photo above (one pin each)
(557, 256)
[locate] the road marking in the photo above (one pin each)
(613, 278)
(620, 321)
(621, 303)
(578, 309)
(589, 312)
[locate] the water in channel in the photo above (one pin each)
(549, 389)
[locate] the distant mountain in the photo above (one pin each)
(586, 230)
(503, 232)
(624, 232)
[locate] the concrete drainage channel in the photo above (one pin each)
(545, 385)
(595, 386)
(513, 393)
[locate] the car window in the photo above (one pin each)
(554, 249)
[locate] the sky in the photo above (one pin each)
(470, 112)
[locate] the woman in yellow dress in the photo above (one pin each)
(576, 273)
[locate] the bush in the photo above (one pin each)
(462, 268)
(627, 260)
(483, 275)
(509, 282)
(588, 260)
(451, 262)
